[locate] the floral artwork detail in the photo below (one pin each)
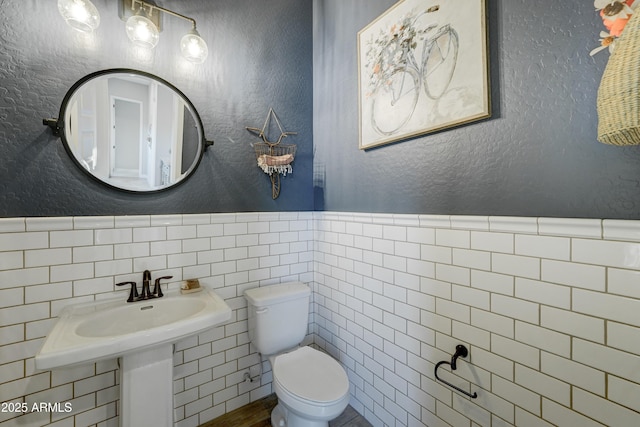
(422, 68)
(615, 15)
(383, 57)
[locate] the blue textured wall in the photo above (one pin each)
(537, 156)
(260, 57)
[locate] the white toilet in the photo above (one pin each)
(311, 386)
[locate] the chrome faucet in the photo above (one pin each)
(146, 290)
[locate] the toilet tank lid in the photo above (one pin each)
(273, 294)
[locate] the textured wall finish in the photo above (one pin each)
(537, 155)
(255, 63)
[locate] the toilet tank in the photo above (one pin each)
(278, 316)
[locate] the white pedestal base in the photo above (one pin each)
(146, 387)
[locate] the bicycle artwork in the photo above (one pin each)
(422, 68)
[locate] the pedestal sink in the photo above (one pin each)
(140, 333)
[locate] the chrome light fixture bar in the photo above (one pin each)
(143, 31)
(80, 15)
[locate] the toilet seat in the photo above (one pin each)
(310, 377)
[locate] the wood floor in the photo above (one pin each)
(258, 414)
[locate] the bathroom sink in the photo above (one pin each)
(101, 330)
(133, 318)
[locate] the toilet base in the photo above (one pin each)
(282, 417)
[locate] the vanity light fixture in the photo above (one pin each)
(143, 31)
(193, 47)
(80, 15)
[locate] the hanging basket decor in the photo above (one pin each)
(274, 158)
(618, 101)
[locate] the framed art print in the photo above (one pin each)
(422, 67)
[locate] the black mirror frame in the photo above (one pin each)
(58, 126)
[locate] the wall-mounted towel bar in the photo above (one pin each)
(461, 351)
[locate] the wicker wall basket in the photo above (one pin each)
(618, 100)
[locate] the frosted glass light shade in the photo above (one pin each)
(81, 15)
(193, 47)
(142, 32)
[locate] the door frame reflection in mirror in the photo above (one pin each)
(161, 129)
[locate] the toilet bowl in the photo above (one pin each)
(312, 387)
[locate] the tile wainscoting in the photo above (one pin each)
(549, 309)
(47, 263)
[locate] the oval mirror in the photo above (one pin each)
(131, 130)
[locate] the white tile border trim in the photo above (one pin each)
(617, 229)
(628, 230)
(470, 222)
(12, 225)
(571, 227)
(93, 222)
(435, 221)
(59, 223)
(513, 224)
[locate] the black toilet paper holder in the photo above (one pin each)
(461, 351)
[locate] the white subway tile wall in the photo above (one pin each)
(547, 307)
(48, 263)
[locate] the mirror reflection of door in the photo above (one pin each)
(126, 138)
(82, 129)
(132, 131)
(87, 129)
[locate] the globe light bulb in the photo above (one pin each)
(141, 31)
(193, 47)
(80, 15)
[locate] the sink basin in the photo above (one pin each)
(133, 318)
(101, 330)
